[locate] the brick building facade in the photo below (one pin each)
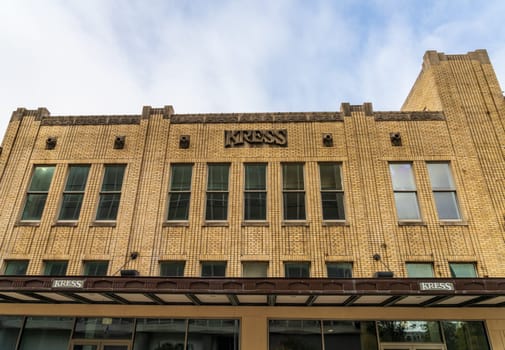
(368, 229)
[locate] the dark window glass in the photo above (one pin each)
(217, 192)
(339, 270)
(37, 192)
(419, 270)
(160, 334)
(213, 334)
(295, 334)
(255, 195)
(46, 333)
(332, 193)
(350, 335)
(110, 193)
(410, 331)
(465, 335)
(297, 270)
(180, 192)
(255, 269)
(9, 331)
(214, 269)
(172, 268)
(74, 192)
(96, 268)
(405, 192)
(103, 328)
(444, 191)
(16, 267)
(293, 191)
(462, 270)
(55, 268)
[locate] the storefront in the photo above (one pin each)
(195, 314)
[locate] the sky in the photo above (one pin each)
(98, 57)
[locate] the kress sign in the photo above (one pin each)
(234, 138)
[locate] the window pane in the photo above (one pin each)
(297, 270)
(419, 270)
(295, 334)
(34, 206)
(9, 331)
(294, 206)
(465, 335)
(463, 270)
(255, 269)
(292, 175)
(103, 328)
(113, 178)
(339, 270)
(41, 178)
(255, 206)
(255, 176)
(55, 268)
(213, 269)
(16, 267)
(401, 174)
(70, 207)
(181, 177)
(333, 205)
(96, 268)
(213, 334)
(409, 331)
(349, 335)
(108, 206)
(217, 206)
(46, 333)
(406, 206)
(159, 334)
(218, 177)
(77, 177)
(178, 206)
(172, 268)
(440, 176)
(447, 205)
(330, 176)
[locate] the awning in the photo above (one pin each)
(310, 292)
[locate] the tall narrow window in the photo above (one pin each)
(255, 195)
(444, 191)
(96, 268)
(405, 192)
(110, 193)
(180, 192)
(74, 192)
(16, 267)
(463, 270)
(55, 268)
(332, 192)
(293, 191)
(297, 269)
(37, 192)
(217, 192)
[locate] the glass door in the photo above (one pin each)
(99, 345)
(412, 347)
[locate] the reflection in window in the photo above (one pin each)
(420, 270)
(110, 193)
(297, 270)
(103, 328)
(213, 334)
(214, 269)
(339, 270)
(444, 191)
(332, 192)
(465, 335)
(55, 268)
(349, 335)
(172, 268)
(160, 334)
(405, 191)
(96, 268)
(217, 192)
(36, 195)
(9, 331)
(255, 194)
(409, 331)
(180, 192)
(16, 267)
(46, 333)
(74, 192)
(293, 191)
(461, 270)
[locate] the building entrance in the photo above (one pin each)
(99, 345)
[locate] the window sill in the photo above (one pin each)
(103, 224)
(65, 223)
(216, 224)
(294, 223)
(453, 223)
(412, 223)
(335, 223)
(175, 224)
(28, 223)
(255, 223)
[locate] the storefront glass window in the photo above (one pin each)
(349, 335)
(9, 331)
(160, 334)
(43, 333)
(409, 331)
(213, 334)
(103, 328)
(465, 335)
(295, 334)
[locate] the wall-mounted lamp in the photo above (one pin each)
(382, 274)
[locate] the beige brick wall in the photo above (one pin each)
(472, 139)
